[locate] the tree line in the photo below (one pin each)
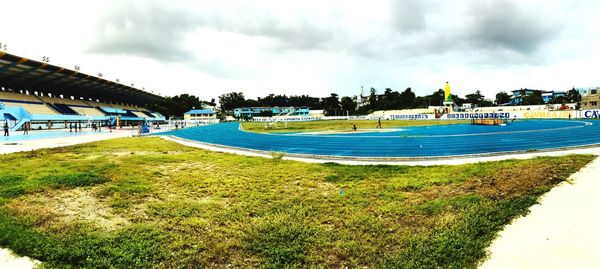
(334, 105)
(179, 104)
(388, 100)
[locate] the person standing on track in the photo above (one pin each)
(5, 128)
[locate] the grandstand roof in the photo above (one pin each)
(19, 73)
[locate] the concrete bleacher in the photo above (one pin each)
(19, 97)
(80, 106)
(126, 107)
(88, 111)
(140, 114)
(62, 109)
(89, 108)
(117, 106)
(31, 103)
(135, 111)
(97, 104)
(44, 109)
(35, 108)
(64, 101)
(132, 111)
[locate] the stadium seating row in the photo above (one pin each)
(34, 108)
(46, 105)
(54, 100)
(90, 111)
(4, 95)
(18, 97)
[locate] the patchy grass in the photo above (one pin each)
(340, 125)
(145, 202)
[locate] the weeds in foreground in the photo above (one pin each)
(186, 207)
(277, 156)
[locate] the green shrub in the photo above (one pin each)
(76, 179)
(282, 241)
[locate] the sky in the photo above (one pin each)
(207, 48)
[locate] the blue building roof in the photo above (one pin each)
(200, 111)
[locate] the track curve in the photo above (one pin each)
(408, 142)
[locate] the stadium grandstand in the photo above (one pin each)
(43, 96)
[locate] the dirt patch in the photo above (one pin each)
(129, 153)
(176, 168)
(68, 206)
(504, 183)
(90, 156)
(141, 152)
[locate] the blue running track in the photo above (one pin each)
(408, 142)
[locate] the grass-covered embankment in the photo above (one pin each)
(145, 202)
(338, 125)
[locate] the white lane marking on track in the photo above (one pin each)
(425, 136)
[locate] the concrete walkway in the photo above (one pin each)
(27, 145)
(560, 232)
(9, 260)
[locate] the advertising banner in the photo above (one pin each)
(478, 115)
(590, 114)
(411, 117)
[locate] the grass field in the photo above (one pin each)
(146, 202)
(339, 125)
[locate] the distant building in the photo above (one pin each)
(518, 95)
(591, 100)
(361, 101)
(547, 96)
(251, 112)
(316, 112)
(587, 90)
(200, 116)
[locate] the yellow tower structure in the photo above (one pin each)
(448, 102)
(447, 95)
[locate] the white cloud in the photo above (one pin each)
(208, 48)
